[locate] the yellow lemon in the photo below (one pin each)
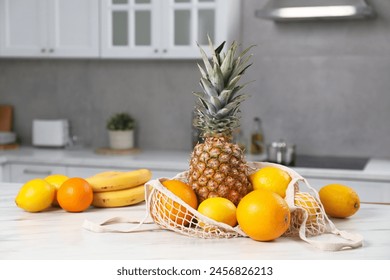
(56, 181)
(271, 178)
(263, 215)
(310, 204)
(35, 195)
(219, 209)
(339, 201)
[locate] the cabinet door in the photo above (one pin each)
(85, 172)
(23, 24)
(21, 173)
(368, 191)
(130, 28)
(188, 22)
(74, 28)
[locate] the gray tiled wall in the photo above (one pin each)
(324, 86)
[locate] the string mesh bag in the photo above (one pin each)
(309, 221)
(308, 217)
(308, 214)
(170, 212)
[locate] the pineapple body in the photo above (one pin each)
(218, 169)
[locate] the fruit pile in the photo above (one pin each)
(218, 176)
(263, 214)
(106, 189)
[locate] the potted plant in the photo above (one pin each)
(121, 131)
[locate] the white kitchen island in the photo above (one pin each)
(58, 235)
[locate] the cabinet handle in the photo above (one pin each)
(36, 172)
(51, 50)
(155, 50)
(43, 50)
(165, 51)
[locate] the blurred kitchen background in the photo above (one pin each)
(323, 85)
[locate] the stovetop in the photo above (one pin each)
(331, 162)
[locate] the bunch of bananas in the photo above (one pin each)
(119, 188)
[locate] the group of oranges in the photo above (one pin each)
(71, 194)
(263, 214)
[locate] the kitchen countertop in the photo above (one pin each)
(56, 235)
(376, 169)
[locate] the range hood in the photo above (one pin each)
(293, 10)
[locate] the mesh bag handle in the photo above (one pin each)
(112, 224)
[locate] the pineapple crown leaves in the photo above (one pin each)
(218, 107)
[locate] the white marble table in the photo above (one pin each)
(58, 235)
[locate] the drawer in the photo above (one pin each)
(368, 191)
(84, 172)
(21, 173)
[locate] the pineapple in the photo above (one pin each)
(217, 166)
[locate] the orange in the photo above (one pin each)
(75, 195)
(219, 209)
(271, 178)
(174, 211)
(56, 181)
(339, 201)
(263, 215)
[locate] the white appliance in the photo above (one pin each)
(50, 133)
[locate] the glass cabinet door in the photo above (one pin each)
(129, 26)
(190, 22)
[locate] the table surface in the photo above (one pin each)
(56, 234)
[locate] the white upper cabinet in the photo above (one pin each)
(165, 28)
(130, 28)
(49, 28)
(22, 27)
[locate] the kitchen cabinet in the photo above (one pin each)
(49, 28)
(21, 173)
(87, 171)
(165, 29)
(84, 172)
(372, 184)
(368, 190)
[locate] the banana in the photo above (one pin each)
(118, 180)
(119, 198)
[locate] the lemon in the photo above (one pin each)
(310, 204)
(56, 181)
(271, 178)
(339, 201)
(35, 195)
(219, 209)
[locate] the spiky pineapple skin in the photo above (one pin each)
(218, 169)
